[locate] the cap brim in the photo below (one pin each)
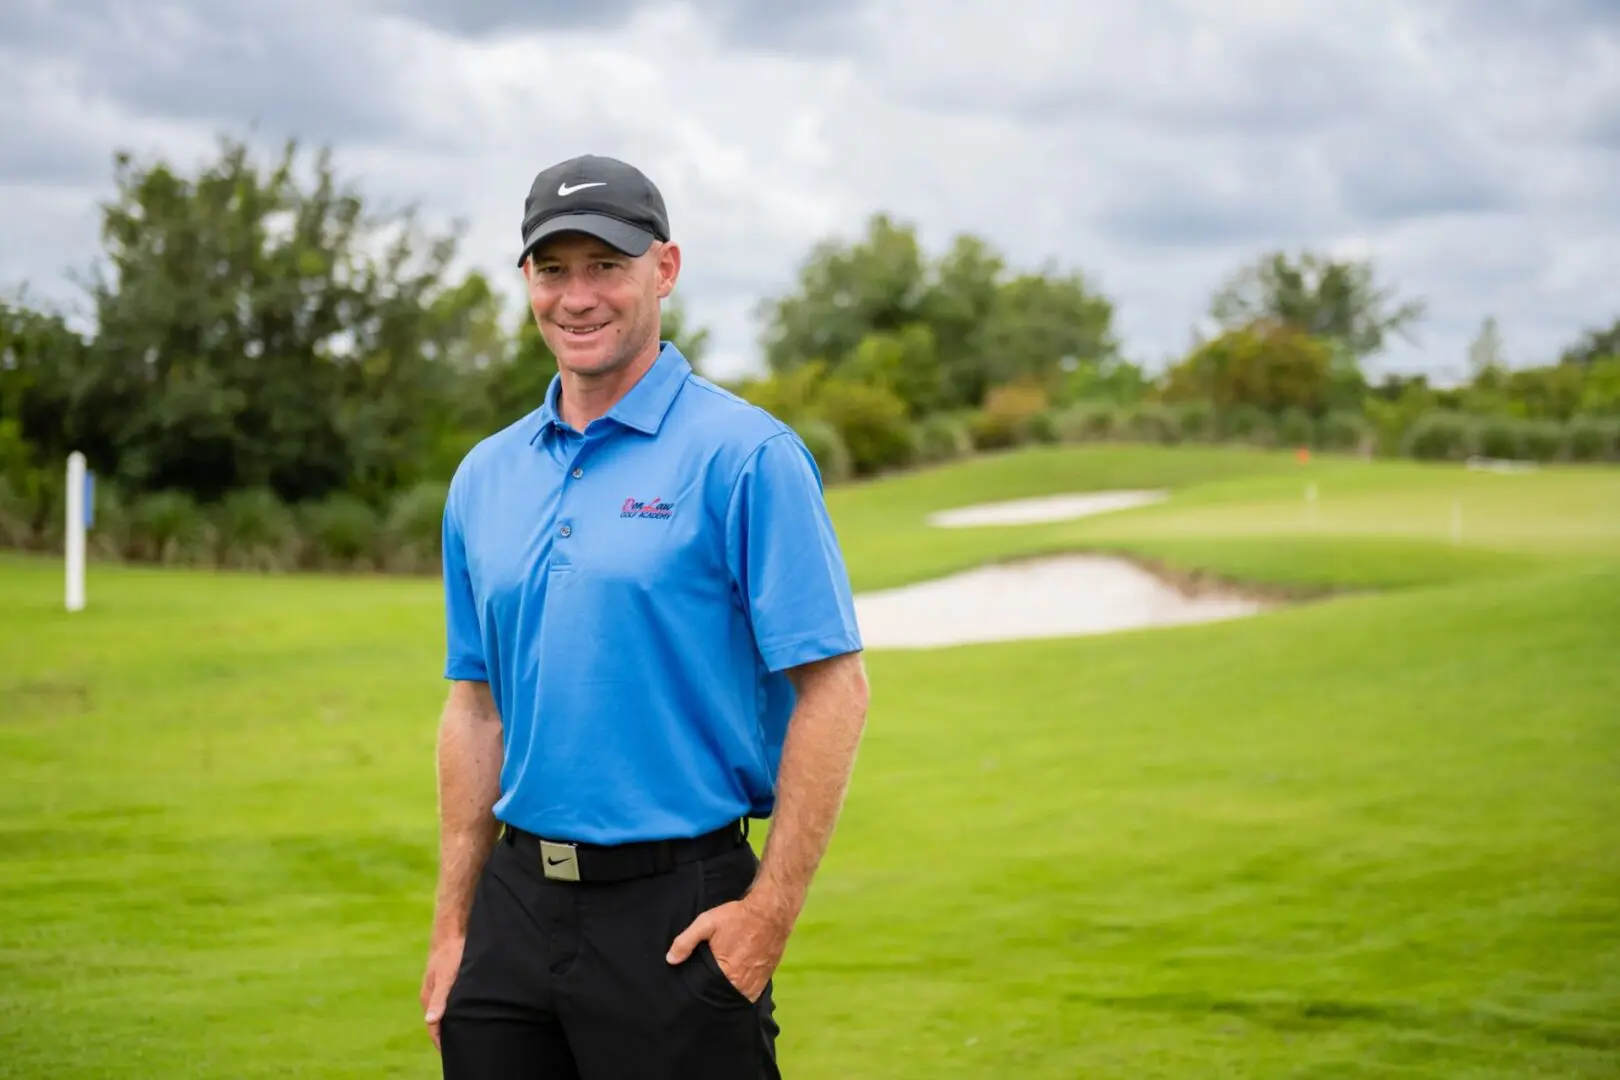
(617, 234)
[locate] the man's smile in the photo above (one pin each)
(583, 331)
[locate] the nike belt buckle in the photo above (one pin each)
(559, 862)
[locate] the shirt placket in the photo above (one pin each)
(573, 451)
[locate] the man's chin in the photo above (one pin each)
(585, 357)
(595, 357)
(594, 365)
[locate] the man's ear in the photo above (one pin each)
(669, 267)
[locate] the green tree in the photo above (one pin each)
(1267, 365)
(1040, 328)
(1337, 301)
(676, 325)
(1600, 396)
(1485, 351)
(1594, 345)
(905, 362)
(41, 369)
(1114, 380)
(844, 293)
(987, 327)
(958, 304)
(254, 331)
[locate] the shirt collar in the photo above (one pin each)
(644, 407)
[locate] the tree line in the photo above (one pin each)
(281, 375)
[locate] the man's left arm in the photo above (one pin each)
(787, 565)
(749, 936)
(818, 757)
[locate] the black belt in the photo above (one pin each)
(562, 860)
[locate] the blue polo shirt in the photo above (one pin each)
(633, 594)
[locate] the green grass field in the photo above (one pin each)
(1373, 834)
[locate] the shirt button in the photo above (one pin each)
(567, 531)
(578, 472)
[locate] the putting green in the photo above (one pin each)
(1370, 835)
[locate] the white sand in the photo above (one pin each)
(1049, 508)
(1062, 596)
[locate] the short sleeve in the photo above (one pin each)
(785, 559)
(464, 643)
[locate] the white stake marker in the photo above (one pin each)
(78, 516)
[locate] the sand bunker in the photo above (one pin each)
(1053, 597)
(1048, 508)
(1063, 596)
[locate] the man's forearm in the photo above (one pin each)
(469, 771)
(818, 757)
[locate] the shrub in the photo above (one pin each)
(1042, 427)
(1246, 424)
(413, 529)
(1195, 422)
(50, 521)
(1344, 431)
(1267, 364)
(827, 447)
(16, 517)
(18, 481)
(873, 422)
(1087, 422)
(1499, 437)
(1517, 439)
(1007, 417)
(1442, 436)
(1541, 440)
(786, 395)
(257, 531)
(113, 534)
(31, 503)
(1592, 438)
(1154, 423)
(943, 437)
(171, 528)
(340, 532)
(1295, 428)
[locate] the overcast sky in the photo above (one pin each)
(1156, 146)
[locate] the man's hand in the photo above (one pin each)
(746, 939)
(443, 961)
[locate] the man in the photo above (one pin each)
(651, 640)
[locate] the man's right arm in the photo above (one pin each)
(469, 749)
(469, 770)
(469, 759)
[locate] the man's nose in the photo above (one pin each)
(578, 294)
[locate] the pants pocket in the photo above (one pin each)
(717, 881)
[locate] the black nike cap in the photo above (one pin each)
(599, 196)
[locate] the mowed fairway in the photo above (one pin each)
(1374, 834)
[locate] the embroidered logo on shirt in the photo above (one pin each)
(650, 508)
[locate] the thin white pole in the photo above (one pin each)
(75, 531)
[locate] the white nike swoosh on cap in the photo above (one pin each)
(564, 189)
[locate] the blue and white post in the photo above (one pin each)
(81, 508)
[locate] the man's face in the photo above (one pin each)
(597, 307)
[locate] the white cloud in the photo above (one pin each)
(1154, 146)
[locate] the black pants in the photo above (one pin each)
(569, 980)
